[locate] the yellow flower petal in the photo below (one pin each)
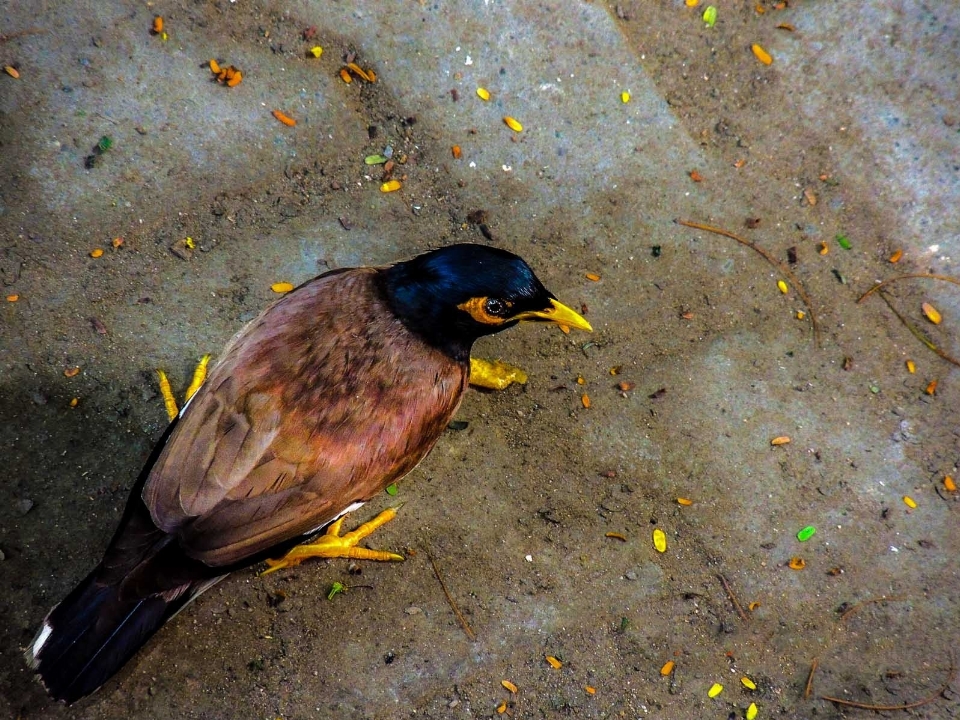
(762, 55)
(660, 540)
(513, 124)
(931, 312)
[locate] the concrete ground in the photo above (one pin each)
(852, 130)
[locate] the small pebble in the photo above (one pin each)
(413, 610)
(630, 575)
(24, 506)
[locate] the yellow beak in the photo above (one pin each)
(558, 313)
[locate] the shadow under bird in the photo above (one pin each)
(335, 391)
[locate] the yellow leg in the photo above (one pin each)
(334, 545)
(495, 374)
(169, 401)
(199, 375)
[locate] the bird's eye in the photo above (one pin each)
(495, 306)
(487, 310)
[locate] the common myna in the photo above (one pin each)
(335, 391)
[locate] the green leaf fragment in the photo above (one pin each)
(808, 532)
(843, 241)
(392, 489)
(375, 159)
(105, 144)
(336, 589)
(710, 15)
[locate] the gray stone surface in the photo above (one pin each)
(859, 108)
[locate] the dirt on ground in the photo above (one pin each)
(146, 209)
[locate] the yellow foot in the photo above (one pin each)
(334, 545)
(494, 374)
(169, 402)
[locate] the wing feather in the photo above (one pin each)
(310, 410)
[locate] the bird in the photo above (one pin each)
(332, 393)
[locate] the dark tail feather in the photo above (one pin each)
(91, 634)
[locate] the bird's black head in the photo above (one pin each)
(456, 294)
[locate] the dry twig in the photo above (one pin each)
(883, 708)
(733, 598)
(813, 670)
(770, 259)
(463, 621)
(916, 331)
(20, 33)
(854, 608)
(919, 335)
(906, 706)
(930, 276)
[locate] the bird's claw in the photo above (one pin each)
(334, 545)
(169, 401)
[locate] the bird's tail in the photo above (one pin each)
(90, 635)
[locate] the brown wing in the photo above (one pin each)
(321, 402)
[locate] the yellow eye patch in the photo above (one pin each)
(477, 309)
